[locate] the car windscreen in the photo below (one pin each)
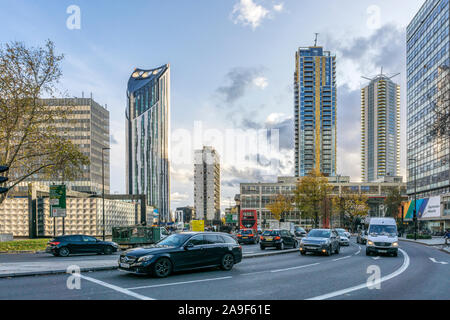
(382, 230)
(319, 234)
(174, 240)
(245, 232)
(271, 233)
(340, 232)
(299, 229)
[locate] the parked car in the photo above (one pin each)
(382, 237)
(277, 238)
(248, 236)
(362, 237)
(66, 245)
(323, 241)
(183, 251)
(300, 232)
(343, 239)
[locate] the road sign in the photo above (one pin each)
(198, 225)
(3, 179)
(58, 201)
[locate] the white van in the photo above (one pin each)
(382, 236)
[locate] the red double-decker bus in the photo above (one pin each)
(248, 219)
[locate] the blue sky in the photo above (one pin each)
(232, 64)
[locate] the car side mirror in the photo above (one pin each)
(189, 245)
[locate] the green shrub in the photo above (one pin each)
(419, 236)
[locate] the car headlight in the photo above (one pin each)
(145, 258)
(370, 243)
(395, 244)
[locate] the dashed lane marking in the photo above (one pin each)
(342, 258)
(178, 283)
(115, 288)
(293, 268)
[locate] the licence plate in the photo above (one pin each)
(269, 238)
(382, 251)
(124, 265)
(244, 237)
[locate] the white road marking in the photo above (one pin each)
(359, 250)
(116, 288)
(178, 283)
(434, 260)
(293, 268)
(375, 258)
(364, 285)
(342, 258)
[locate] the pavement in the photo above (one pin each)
(419, 272)
(14, 265)
(436, 242)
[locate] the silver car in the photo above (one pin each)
(343, 239)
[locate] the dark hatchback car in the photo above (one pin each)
(66, 245)
(280, 239)
(300, 232)
(248, 236)
(183, 251)
(323, 241)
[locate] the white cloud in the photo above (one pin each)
(260, 82)
(248, 12)
(278, 7)
(178, 197)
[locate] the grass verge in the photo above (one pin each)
(24, 245)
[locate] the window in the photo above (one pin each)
(89, 239)
(197, 240)
(228, 239)
(212, 239)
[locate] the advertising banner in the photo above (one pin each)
(427, 208)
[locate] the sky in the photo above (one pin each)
(232, 69)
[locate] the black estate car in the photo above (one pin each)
(65, 245)
(321, 241)
(280, 239)
(183, 251)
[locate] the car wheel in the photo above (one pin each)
(262, 247)
(162, 268)
(227, 262)
(282, 246)
(64, 251)
(108, 250)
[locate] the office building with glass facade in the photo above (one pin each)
(427, 55)
(147, 136)
(315, 111)
(380, 129)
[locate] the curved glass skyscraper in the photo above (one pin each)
(147, 120)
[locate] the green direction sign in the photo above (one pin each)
(57, 201)
(231, 218)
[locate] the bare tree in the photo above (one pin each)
(31, 140)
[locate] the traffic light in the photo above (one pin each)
(3, 179)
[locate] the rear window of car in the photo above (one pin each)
(228, 239)
(271, 233)
(246, 231)
(213, 239)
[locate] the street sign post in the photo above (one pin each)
(58, 201)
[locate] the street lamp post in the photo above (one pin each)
(103, 189)
(415, 197)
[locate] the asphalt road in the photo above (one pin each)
(419, 272)
(45, 257)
